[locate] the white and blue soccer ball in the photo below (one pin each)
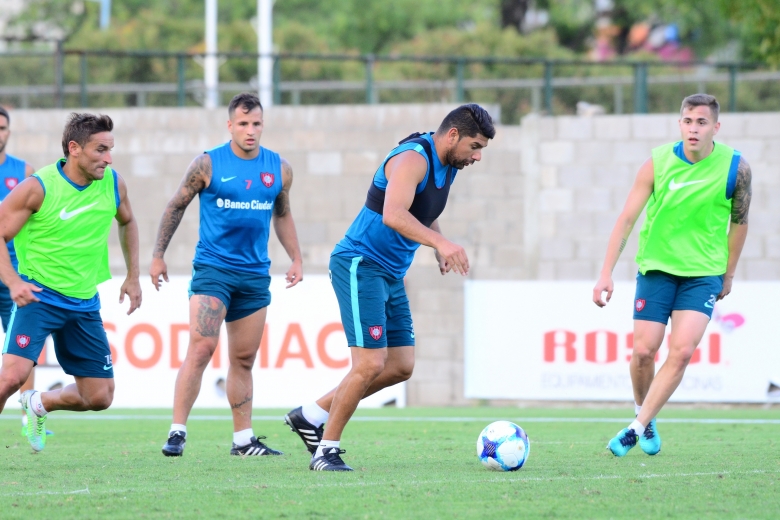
(503, 446)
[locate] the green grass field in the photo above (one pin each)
(410, 463)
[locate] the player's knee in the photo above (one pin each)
(201, 351)
(100, 400)
(680, 355)
(370, 368)
(9, 384)
(246, 361)
(644, 353)
(404, 372)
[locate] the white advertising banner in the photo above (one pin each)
(548, 340)
(303, 354)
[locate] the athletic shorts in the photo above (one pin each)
(374, 307)
(80, 341)
(6, 305)
(659, 293)
(242, 293)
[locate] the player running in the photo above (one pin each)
(697, 219)
(367, 268)
(61, 218)
(242, 188)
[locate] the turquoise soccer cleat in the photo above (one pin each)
(36, 426)
(622, 442)
(650, 441)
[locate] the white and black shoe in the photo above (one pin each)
(310, 435)
(175, 445)
(330, 461)
(255, 447)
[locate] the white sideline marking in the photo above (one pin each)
(118, 417)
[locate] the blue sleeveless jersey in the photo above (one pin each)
(11, 174)
(369, 237)
(236, 209)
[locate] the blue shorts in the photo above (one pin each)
(80, 341)
(6, 305)
(374, 307)
(659, 293)
(242, 293)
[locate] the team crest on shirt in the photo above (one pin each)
(22, 340)
(11, 182)
(376, 332)
(267, 178)
(640, 304)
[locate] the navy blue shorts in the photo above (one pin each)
(659, 293)
(374, 307)
(6, 305)
(80, 341)
(242, 293)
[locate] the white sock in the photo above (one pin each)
(37, 405)
(178, 428)
(314, 414)
(638, 427)
(326, 444)
(243, 437)
(24, 420)
(637, 408)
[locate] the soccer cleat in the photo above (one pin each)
(177, 440)
(622, 442)
(330, 461)
(255, 447)
(310, 435)
(49, 433)
(36, 426)
(650, 441)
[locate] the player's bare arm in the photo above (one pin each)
(15, 210)
(740, 206)
(128, 239)
(404, 172)
(196, 179)
(285, 227)
(444, 267)
(28, 170)
(637, 199)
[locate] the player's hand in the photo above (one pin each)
(157, 269)
(604, 284)
(443, 267)
(726, 287)
(23, 293)
(132, 288)
(295, 274)
(454, 257)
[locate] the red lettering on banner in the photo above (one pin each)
(551, 343)
(176, 329)
(322, 338)
(714, 349)
(262, 359)
(143, 328)
(294, 329)
(591, 346)
(629, 345)
(111, 347)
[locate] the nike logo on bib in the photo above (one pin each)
(225, 179)
(674, 186)
(64, 215)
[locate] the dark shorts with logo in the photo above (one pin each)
(659, 293)
(6, 306)
(242, 293)
(374, 307)
(80, 341)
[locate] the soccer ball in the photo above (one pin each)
(503, 446)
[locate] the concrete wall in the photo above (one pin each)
(540, 205)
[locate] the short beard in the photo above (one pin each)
(2, 147)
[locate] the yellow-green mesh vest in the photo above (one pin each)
(686, 228)
(64, 245)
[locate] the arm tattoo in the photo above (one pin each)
(743, 193)
(622, 245)
(282, 203)
(242, 403)
(210, 316)
(198, 174)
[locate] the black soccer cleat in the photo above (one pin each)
(330, 461)
(255, 447)
(177, 440)
(310, 435)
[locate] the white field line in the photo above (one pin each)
(120, 417)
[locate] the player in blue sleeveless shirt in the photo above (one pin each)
(243, 187)
(367, 268)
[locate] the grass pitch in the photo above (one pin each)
(410, 463)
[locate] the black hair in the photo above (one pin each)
(469, 120)
(246, 100)
(700, 100)
(80, 127)
(4, 112)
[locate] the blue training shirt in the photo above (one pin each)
(369, 237)
(236, 210)
(11, 174)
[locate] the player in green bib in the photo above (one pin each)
(697, 194)
(60, 219)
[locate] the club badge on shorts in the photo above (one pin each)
(640, 304)
(376, 332)
(22, 340)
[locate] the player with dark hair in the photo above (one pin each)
(243, 187)
(697, 194)
(60, 219)
(367, 268)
